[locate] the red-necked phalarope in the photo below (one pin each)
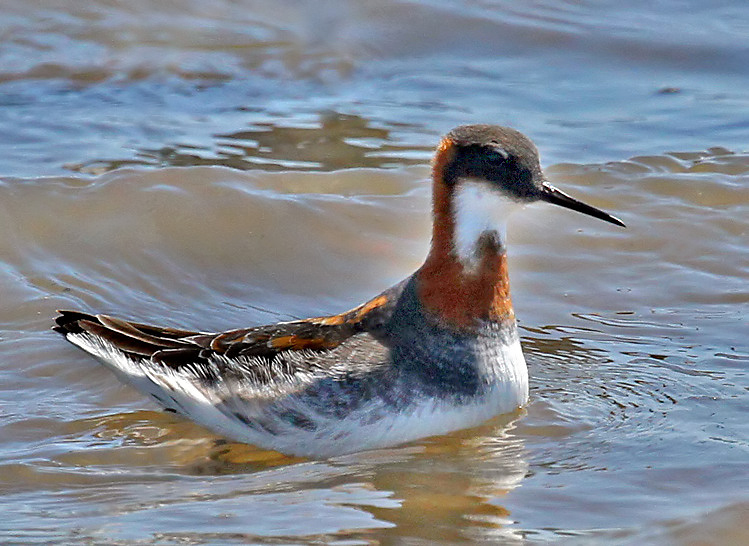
(437, 352)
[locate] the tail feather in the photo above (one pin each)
(130, 330)
(67, 321)
(145, 356)
(127, 344)
(132, 338)
(180, 375)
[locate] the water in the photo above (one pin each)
(219, 164)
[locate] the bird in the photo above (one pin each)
(435, 353)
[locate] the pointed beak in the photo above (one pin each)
(550, 194)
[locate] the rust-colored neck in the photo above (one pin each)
(458, 296)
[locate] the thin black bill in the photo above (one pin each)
(550, 194)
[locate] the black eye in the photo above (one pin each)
(478, 161)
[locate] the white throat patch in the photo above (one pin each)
(478, 209)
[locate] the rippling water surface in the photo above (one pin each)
(219, 164)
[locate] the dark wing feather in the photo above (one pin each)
(175, 348)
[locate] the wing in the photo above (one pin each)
(267, 352)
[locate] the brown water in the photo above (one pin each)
(219, 164)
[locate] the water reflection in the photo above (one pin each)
(446, 489)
